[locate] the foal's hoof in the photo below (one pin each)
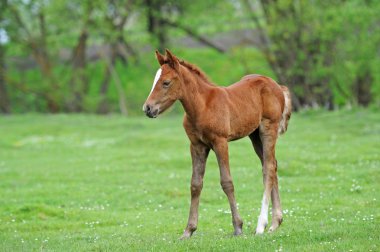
(185, 236)
(259, 230)
(272, 229)
(238, 231)
(275, 225)
(261, 227)
(238, 226)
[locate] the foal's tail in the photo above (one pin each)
(287, 111)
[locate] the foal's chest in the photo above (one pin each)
(201, 132)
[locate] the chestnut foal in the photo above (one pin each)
(256, 106)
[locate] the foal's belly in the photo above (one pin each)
(238, 135)
(243, 128)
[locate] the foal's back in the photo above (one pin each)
(261, 91)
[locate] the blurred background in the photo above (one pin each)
(97, 56)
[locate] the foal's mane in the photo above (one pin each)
(194, 69)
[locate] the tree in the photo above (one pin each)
(292, 46)
(4, 99)
(33, 36)
(115, 20)
(356, 62)
(162, 15)
(74, 54)
(302, 41)
(79, 82)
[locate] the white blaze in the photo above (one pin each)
(156, 78)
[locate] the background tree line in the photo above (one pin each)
(96, 56)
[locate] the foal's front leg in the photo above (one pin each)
(199, 155)
(221, 150)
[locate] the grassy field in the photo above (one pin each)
(90, 183)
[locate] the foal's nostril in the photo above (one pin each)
(148, 109)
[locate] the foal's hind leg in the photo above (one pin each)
(257, 144)
(268, 137)
(199, 155)
(276, 205)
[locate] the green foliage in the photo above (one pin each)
(84, 183)
(137, 78)
(327, 52)
(358, 45)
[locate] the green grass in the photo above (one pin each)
(90, 183)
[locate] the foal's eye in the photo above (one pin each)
(166, 83)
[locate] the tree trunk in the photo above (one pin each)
(40, 53)
(119, 87)
(103, 106)
(125, 50)
(79, 81)
(362, 88)
(4, 99)
(119, 49)
(120, 90)
(156, 24)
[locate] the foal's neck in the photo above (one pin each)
(195, 92)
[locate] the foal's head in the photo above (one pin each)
(166, 87)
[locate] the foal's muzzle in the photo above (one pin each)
(151, 111)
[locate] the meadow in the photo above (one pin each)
(110, 183)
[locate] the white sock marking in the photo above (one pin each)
(263, 218)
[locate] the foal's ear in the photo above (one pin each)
(172, 60)
(160, 58)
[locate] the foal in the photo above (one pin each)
(256, 106)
